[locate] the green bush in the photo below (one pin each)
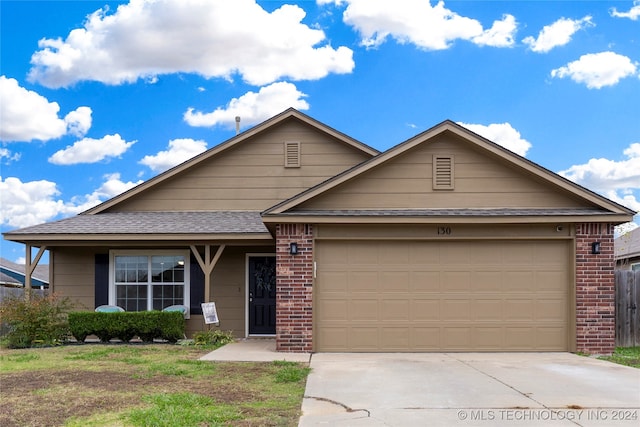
(216, 338)
(35, 320)
(146, 325)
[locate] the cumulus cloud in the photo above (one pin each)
(29, 203)
(418, 22)
(557, 34)
(252, 107)
(147, 38)
(26, 115)
(89, 150)
(7, 156)
(633, 13)
(598, 70)
(617, 180)
(179, 150)
(502, 134)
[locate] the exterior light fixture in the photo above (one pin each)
(595, 248)
(293, 248)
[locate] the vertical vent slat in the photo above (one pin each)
(443, 178)
(291, 154)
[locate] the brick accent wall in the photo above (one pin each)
(595, 289)
(294, 304)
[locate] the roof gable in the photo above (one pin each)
(130, 200)
(486, 176)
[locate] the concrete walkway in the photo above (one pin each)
(254, 350)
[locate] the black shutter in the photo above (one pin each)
(102, 279)
(197, 286)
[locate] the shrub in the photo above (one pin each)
(35, 320)
(146, 325)
(216, 338)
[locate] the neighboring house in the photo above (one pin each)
(627, 251)
(446, 242)
(12, 275)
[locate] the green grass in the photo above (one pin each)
(134, 385)
(628, 356)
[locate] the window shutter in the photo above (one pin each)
(443, 172)
(291, 154)
(101, 278)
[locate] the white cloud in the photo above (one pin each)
(179, 150)
(617, 180)
(111, 187)
(418, 22)
(633, 13)
(29, 203)
(502, 134)
(500, 34)
(557, 34)
(147, 38)
(26, 115)
(89, 150)
(597, 70)
(7, 156)
(251, 107)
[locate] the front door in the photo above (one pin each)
(262, 295)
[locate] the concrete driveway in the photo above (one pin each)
(469, 389)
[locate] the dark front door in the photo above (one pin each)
(262, 295)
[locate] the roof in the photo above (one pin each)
(627, 245)
(9, 271)
(152, 225)
(606, 206)
(267, 124)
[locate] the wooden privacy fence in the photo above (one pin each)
(627, 308)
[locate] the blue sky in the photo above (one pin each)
(96, 96)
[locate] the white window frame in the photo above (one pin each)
(149, 253)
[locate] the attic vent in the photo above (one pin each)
(291, 154)
(442, 172)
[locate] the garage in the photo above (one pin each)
(424, 295)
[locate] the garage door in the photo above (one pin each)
(395, 296)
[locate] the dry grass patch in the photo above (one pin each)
(139, 385)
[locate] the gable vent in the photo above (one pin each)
(291, 154)
(442, 172)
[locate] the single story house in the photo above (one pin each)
(445, 242)
(627, 250)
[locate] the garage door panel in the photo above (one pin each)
(442, 296)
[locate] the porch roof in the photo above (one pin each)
(152, 225)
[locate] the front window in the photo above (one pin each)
(149, 281)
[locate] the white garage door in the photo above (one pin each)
(395, 296)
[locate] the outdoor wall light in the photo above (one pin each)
(293, 248)
(595, 248)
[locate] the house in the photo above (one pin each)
(13, 275)
(627, 250)
(445, 242)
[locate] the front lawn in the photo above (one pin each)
(144, 385)
(629, 356)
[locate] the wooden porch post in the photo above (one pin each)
(29, 267)
(207, 266)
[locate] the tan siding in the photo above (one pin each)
(228, 290)
(74, 276)
(251, 175)
(406, 182)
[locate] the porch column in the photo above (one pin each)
(294, 288)
(207, 266)
(29, 267)
(595, 289)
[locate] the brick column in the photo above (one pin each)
(595, 289)
(294, 320)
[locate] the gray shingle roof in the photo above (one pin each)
(153, 223)
(627, 245)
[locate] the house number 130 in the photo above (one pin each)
(444, 231)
